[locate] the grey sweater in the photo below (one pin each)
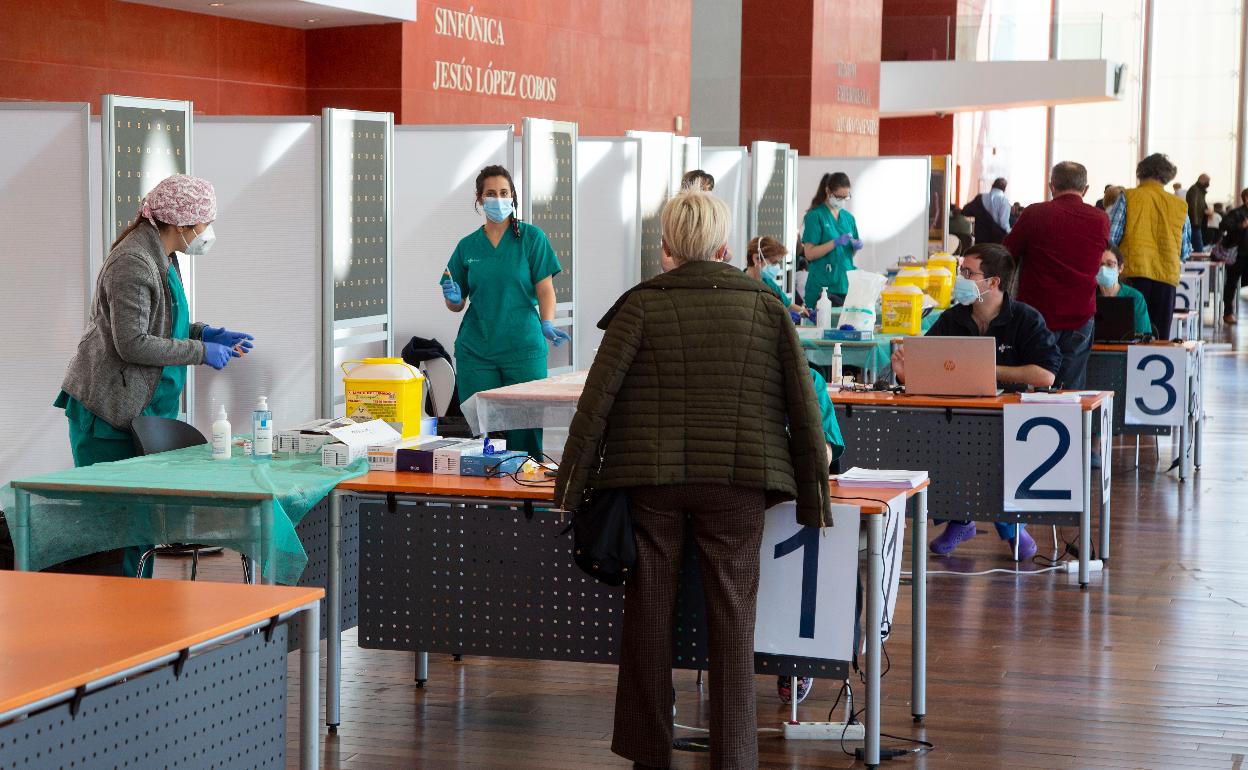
(127, 342)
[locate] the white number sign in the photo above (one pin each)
(1107, 445)
(1043, 457)
(1156, 385)
(1190, 293)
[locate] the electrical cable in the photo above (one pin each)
(998, 570)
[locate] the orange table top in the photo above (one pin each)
(886, 398)
(380, 482)
(60, 632)
(1100, 347)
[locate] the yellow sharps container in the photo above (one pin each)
(940, 285)
(912, 276)
(901, 309)
(945, 260)
(385, 389)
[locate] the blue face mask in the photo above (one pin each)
(775, 272)
(965, 291)
(1107, 276)
(499, 209)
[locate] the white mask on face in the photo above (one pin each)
(202, 243)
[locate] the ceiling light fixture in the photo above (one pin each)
(216, 5)
(313, 21)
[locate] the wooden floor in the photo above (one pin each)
(1147, 669)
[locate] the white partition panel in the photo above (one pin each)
(656, 188)
(263, 275)
(95, 171)
(890, 201)
(731, 168)
(435, 172)
(44, 243)
(608, 231)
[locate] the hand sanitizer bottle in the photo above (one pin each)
(262, 430)
(222, 436)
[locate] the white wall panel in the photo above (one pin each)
(608, 231)
(95, 172)
(435, 171)
(44, 243)
(890, 201)
(263, 276)
(731, 169)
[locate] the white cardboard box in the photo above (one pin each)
(353, 441)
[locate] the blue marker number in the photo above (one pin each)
(1163, 382)
(1184, 287)
(807, 540)
(1025, 490)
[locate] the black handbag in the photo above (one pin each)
(604, 546)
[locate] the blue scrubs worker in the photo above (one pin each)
(830, 240)
(503, 273)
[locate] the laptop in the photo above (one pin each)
(1114, 320)
(951, 366)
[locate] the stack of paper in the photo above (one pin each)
(1067, 397)
(865, 477)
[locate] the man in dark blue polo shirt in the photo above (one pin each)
(1027, 354)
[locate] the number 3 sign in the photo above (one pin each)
(1156, 385)
(1043, 457)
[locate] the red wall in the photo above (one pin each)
(918, 30)
(80, 50)
(922, 135)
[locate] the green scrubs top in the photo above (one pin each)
(831, 429)
(95, 441)
(501, 324)
(832, 271)
(1143, 324)
(775, 287)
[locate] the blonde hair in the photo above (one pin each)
(695, 226)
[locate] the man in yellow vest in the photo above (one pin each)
(1152, 229)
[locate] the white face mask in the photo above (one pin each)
(202, 243)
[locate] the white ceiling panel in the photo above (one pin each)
(302, 14)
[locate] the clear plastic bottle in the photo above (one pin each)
(262, 430)
(837, 370)
(222, 436)
(823, 310)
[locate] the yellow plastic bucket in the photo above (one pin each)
(945, 260)
(940, 285)
(385, 389)
(901, 309)
(912, 276)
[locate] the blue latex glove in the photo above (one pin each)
(221, 336)
(842, 240)
(857, 244)
(556, 336)
(452, 292)
(217, 355)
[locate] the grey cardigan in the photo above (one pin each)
(127, 342)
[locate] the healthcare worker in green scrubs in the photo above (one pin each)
(765, 255)
(503, 273)
(830, 240)
(133, 356)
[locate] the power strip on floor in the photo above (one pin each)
(1094, 565)
(825, 731)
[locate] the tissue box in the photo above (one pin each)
(354, 440)
(848, 335)
(490, 466)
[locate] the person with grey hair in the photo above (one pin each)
(1151, 228)
(1058, 245)
(696, 467)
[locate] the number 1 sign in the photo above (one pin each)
(1043, 457)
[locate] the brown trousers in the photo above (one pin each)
(727, 527)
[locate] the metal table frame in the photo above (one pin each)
(916, 506)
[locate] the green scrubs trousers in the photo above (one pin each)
(93, 440)
(474, 375)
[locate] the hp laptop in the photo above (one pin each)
(1114, 320)
(951, 366)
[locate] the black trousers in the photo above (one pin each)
(1160, 300)
(1230, 295)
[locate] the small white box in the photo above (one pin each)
(308, 438)
(351, 442)
(446, 461)
(384, 457)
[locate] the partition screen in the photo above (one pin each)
(686, 156)
(656, 186)
(731, 167)
(608, 232)
(770, 190)
(355, 242)
(436, 169)
(147, 140)
(264, 273)
(43, 280)
(890, 203)
(549, 195)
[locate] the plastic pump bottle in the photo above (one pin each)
(222, 436)
(823, 310)
(262, 430)
(837, 370)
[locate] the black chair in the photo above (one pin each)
(153, 435)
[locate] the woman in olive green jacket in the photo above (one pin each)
(700, 403)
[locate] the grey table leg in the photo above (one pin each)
(422, 668)
(256, 567)
(1085, 516)
(1198, 390)
(1184, 436)
(918, 611)
(21, 531)
(309, 688)
(267, 544)
(875, 595)
(333, 612)
(1107, 446)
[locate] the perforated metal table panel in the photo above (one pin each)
(313, 532)
(487, 580)
(1107, 370)
(227, 709)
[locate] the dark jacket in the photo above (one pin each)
(1197, 205)
(128, 339)
(1233, 235)
(986, 228)
(1022, 338)
(700, 379)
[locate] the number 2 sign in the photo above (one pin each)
(1043, 457)
(1156, 385)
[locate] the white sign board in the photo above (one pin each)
(1107, 446)
(806, 585)
(1156, 385)
(1043, 457)
(1190, 293)
(1201, 269)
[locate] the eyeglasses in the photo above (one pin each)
(968, 274)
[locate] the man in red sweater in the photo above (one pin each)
(1058, 245)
